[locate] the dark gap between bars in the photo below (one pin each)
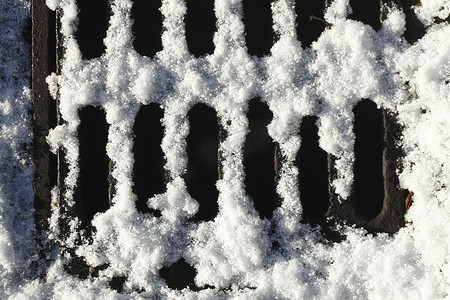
(312, 163)
(116, 283)
(366, 11)
(179, 275)
(200, 22)
(259, 35)
(92, 187)
(202, 167)
(259, 155)
(309, 29)
(93, 22)
(368, 184)
(148, 156)
(415, 30)
(147, 26)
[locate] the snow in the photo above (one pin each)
(16, 173)
(232, 253)
(428, 10)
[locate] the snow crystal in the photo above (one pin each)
(428, 10)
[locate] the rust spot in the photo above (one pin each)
(408, 201)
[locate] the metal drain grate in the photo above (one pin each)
(376, 203)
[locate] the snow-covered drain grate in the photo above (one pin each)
(176, 140)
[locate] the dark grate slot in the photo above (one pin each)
(369, 145)
(77, 266)
(93, 21)
(377, 203)
(148, 156)
(312, 163)
(147, 26)
(200, 26)
(92, 187)
(366, 11)
(415, 30)
(259, 35)
(308, 28)
(117, 283)
(202, 168)
(179, 275)
(259, 152)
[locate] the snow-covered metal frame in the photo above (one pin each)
(293, 81)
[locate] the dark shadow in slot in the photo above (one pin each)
(369, 145)
(148, 156)
(77, 266)
(92, 26)
(312, 163)
(259, 35)
(200, 23)
(92, 187)
(147, 26)
(179, 275)
(116, 283)
(202, 168)
(259, 155)
(415, 30)
(309, 28)
(366, 11)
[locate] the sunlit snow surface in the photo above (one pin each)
(232, 253)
